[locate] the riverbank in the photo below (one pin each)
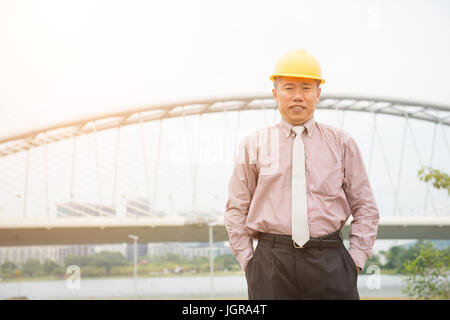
(173, 287)
(140, 276)
(391, 272)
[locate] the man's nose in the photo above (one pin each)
(298, 96)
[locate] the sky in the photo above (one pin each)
(63, 60)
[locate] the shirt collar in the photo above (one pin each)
(287, 127)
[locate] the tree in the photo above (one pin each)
(440, 180)
(49, 267)
(31, 267)
(426, 275)
(108, 259)
(396, 256)
(81, 261)
(225, 262)
(172, 257)
(7, 269)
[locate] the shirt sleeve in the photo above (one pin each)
(240, 191)
(363, 228)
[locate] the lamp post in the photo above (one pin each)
(135, 239)
(211, 256)
(18, 204)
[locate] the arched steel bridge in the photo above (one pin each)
(27, 139)
(101, 225)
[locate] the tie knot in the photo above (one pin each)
(298, 130)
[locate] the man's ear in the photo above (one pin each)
(319, 91)
(275, 95)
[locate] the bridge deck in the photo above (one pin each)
(63, 231)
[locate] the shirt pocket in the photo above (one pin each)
(327, 176)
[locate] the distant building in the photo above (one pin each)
(141, 250)
(188, 249)
(163, 248)
(201, 249)
(20, 255)
(75, 250)
(131, 207)
(116, 247)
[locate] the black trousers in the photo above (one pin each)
(322, 269)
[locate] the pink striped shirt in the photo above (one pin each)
(337, 186)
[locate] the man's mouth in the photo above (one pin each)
(297, 107)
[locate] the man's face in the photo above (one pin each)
(296, 98)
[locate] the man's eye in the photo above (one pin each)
(306, 88)
(288, 88)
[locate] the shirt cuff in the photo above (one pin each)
(358, 257)
(244, 256)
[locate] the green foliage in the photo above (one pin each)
(172, 257)
(440, 180)
(8, 266)
(31, 267)
(114, 263)
(107, 260)
(226, 262)
(104, 259)
(58, 272)
(92, 271)
(124, 270)
(7, 269)
(374, 259)
(81, 261)
(426, 275)
(397, 255)
(49, 267)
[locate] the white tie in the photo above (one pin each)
(300, 230)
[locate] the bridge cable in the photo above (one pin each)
(46, 176)
(155, 188)
(170, 171)
(116, 168)
(145, 159)
(400, 166)
(430, 164)
(227, 132)
(445, 138)
(372, 143)
(383, 153)
(195, 174)
(448, 151)
(72, 176)
(416, 149)
(97, 163)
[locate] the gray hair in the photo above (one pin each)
(277, 79)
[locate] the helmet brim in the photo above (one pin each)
(296, 75)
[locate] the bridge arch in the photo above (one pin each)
(26, 139)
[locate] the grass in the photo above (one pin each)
(140, 276)
(146, 275)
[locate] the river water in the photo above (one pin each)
(184, 287)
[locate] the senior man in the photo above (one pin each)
(293, 187)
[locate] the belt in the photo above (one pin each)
(330, 240)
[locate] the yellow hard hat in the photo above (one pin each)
(298, 64)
